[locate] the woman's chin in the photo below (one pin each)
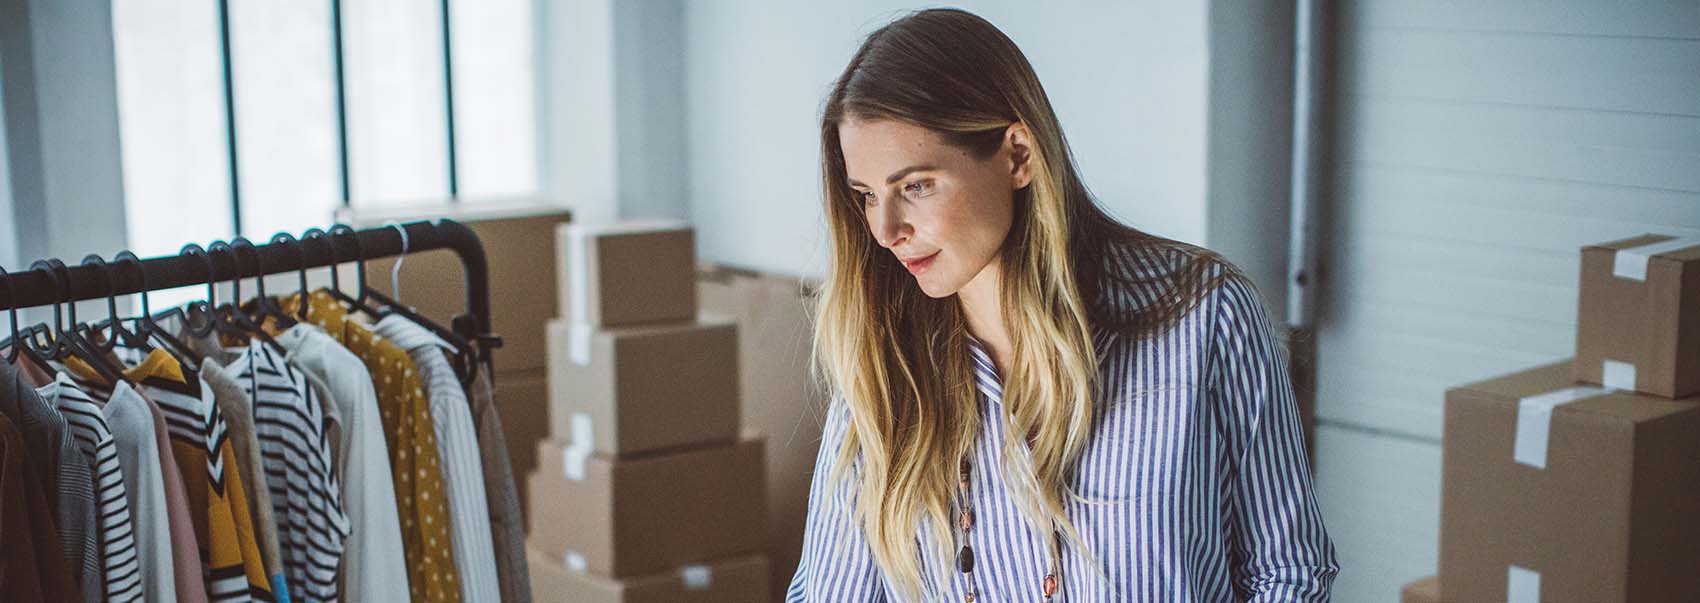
(934, 288)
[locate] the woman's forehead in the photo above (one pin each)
(876, 149)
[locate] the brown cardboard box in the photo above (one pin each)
(1425, 590)
(1638, 315)
(627, 273)
(522, 400)
(519, 248)
(632, 516)
(732, 580)
(1599, 502)
(778, 393)
(644, 388)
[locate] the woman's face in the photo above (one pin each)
(941, 211)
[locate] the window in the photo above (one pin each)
(304, 145)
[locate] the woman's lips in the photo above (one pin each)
(917, 266)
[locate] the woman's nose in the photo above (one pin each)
(890, 228)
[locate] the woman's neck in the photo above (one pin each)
(981, 306)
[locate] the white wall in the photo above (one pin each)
(63, 182)
(1477, 148)
(1128, 81)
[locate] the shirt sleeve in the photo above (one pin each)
(1282, 551)
(836, 565)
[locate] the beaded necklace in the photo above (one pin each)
(965, 558)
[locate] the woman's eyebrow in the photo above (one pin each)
(899, 174)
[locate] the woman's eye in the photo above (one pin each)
(867, 197)
(917, 188)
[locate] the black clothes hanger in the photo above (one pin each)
(115, 334)
(67, 343)
(359, 302)
(206, 309)
(264, 305)
(146, 326)
(463, 367)
(284, 238)
(19, 343)
(230, 315)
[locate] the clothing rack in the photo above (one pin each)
(30, 288)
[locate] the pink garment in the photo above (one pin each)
(185, 553)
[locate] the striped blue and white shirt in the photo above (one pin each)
(1197, 447)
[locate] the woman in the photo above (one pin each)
(976, 295)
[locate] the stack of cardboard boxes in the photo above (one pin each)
(645, 489)
(780, 394)
(1580, 481)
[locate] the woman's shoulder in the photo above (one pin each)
(1137, 276)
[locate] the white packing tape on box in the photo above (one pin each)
(578, 275)
(1534, 421)
(1617, 374)
(1632, 263)
(578, 450)
(697, 577)
(1522, 585)
(580, 336)
(573, 561)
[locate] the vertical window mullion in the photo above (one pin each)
(230, 117)
(449, 103)
(341, 103)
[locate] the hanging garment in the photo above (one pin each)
(185, 551)
(200, 448)
(412, 441)
(20, 578)
(457, 454)
(120, 568)
(131, 421)
(294, 434)
(374, 558)
(186, 567)
(237, 409)
(507, 523)
(62, 476)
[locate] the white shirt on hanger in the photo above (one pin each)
(374, 562)
(131, 420)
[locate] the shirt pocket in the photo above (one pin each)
(1137, 448)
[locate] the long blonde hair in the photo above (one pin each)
(900, 359)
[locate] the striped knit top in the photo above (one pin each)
(119, 562)
(1196, 472)
(295, 442)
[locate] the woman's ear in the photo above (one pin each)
(1018, 142)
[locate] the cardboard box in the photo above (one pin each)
(646, 388)
(1425, 590)
(1568, 492)
(1638, 315)
(622, 517)
(778, 394)
(734, 580)
(522, 401)
(519, 249)
(627, 273)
